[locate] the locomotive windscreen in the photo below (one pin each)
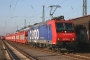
(64, 27)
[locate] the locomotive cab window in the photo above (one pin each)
(69, 26)
(64, 27)
(59, 26)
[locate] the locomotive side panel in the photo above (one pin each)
(43, 32)
(33, 34)
(39, 34)
(30, 35)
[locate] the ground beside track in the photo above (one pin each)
(43, 54)
(2, 52)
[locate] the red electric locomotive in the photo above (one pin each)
(63, 32)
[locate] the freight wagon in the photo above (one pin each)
(82, 28)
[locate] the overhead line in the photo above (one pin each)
(30, 17)
(13, 11)
(47, 9)
(11, 15)
(63, 1)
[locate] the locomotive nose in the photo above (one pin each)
(66, 37)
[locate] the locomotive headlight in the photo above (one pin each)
(58, 38)
(72, 38)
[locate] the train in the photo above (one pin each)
(56, 33)
(20, 36)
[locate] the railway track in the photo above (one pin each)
(73, 55)
(77, 56)
(16, 54)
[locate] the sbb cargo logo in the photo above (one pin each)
(34, 34)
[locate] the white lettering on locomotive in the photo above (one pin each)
(34, 34)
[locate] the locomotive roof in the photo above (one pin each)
(44, 23)
(24, 28)
(39, 24)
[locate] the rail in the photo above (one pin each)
(17, 54)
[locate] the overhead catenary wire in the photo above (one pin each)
(62, 1)
(13, 11)
(45, 10)
(7, 19)
(33, 8)
(11, 14)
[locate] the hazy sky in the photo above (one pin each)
(14, 12)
